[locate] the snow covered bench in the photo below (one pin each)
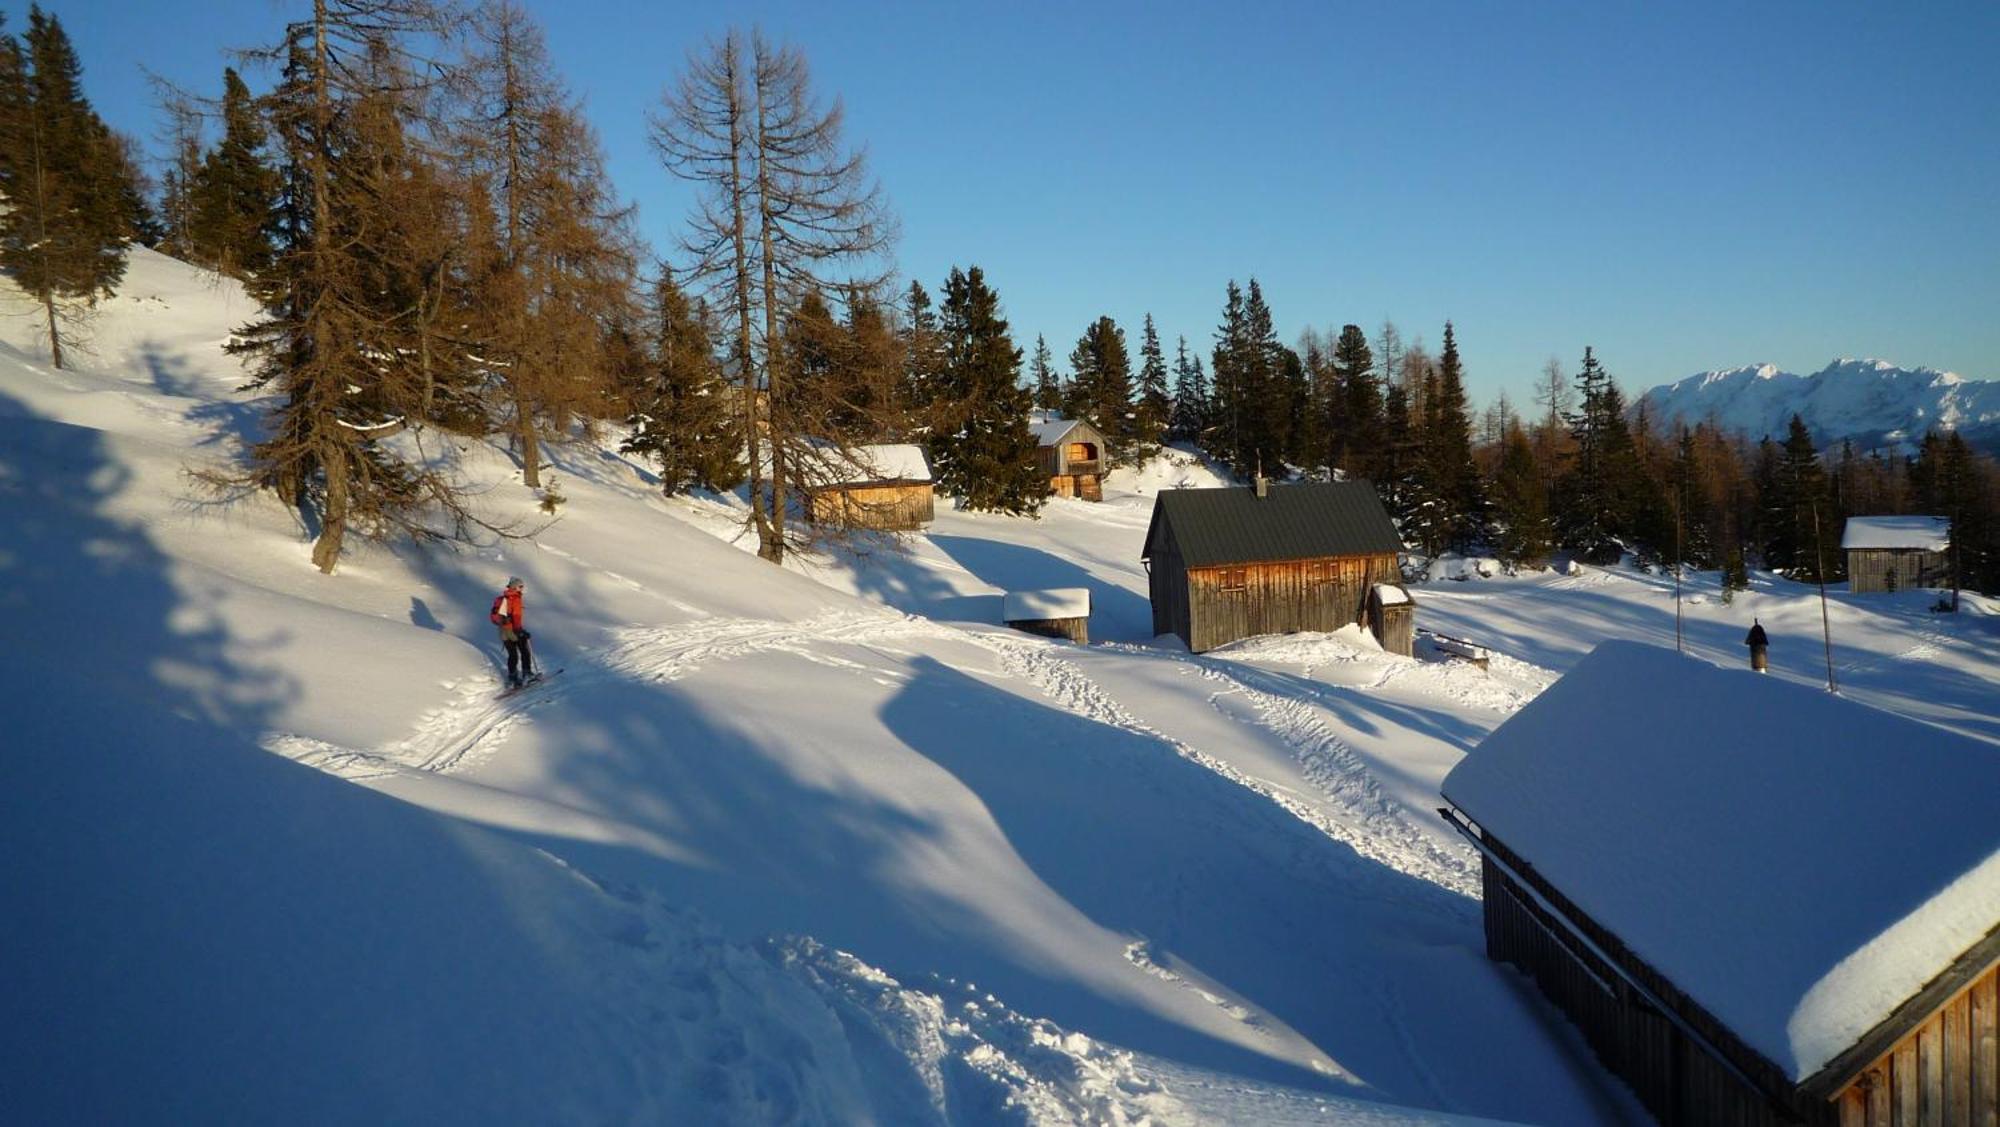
(1461, 649)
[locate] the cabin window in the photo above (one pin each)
(1082, 452)
(1234, 579)
(1319, 573)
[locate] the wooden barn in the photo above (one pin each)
(1057, 612)
(1896, 553)
(1073, 454)
(881, 487)
(1759, 902)
(1271, 559)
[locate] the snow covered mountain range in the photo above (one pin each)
(1874, 402)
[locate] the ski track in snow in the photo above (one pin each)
(1349, 806)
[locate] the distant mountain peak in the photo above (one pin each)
(1872, 401)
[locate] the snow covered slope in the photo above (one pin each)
(821, 844)
(1873, 402)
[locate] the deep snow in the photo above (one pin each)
(819, 844)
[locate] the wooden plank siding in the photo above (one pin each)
(1075, 629)
(1895, 569)
(1946, 1071)
(1280, 597)
(892, 507)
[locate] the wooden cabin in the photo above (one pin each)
(1073, 454)
(1896, 553)
(881, 487)
(1057, 612)
(1759, 902)
(1226, 564)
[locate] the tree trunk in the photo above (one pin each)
(531, 450)
(55, 334)
(333, 517)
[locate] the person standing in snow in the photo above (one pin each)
(514, 634)
(1759, 645)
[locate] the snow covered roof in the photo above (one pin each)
(1797, 863)
(1054, 602)
(1391, 595)
(1925, 534)
(895, 462)
(1048, 432)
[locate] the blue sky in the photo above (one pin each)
(1682, 186)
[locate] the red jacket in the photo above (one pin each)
(507, 610)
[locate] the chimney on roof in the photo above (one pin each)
(1263, 484)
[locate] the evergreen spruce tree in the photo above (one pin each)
(1399, 458)
(1101, 387)
(233, 198)
(1523, 532)
(1594, 492)
(1448, 434)
(1191, 406)
(1226, 438)
(71, 200)
(981, 448)
(1356, 445)
(1269, 387)
(1799, 494)
(684, 416)
(1154, 410)
(1042, 373)
(923, 359)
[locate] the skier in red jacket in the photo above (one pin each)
(514, 634)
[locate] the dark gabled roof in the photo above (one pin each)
(1216, 527)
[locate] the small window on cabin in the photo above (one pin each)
(1319, 572)
(1234, 579)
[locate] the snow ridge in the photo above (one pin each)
(1874, 402)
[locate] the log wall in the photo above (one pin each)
(1228, 603)
(1945, 1072)
(891, 508)
(1892, 569)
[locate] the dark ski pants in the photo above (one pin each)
(520, 661)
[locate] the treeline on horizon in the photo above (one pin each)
(421, 208)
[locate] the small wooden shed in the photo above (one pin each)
(1073, 454)
(1761, 903)
(1895, 553)
(885, 487)
(1226, 564)
(1392, 618)
(1057, 612)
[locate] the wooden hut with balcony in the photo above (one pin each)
(1226, 564)
(1760, 903)
(1073, 455)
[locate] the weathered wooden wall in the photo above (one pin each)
(1061, 459)
(895, 507)
(1945, 1072)
(1227, 603)
(1889, 569)
(1394, 626)
(1075, 629)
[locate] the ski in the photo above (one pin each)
(516, 690)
